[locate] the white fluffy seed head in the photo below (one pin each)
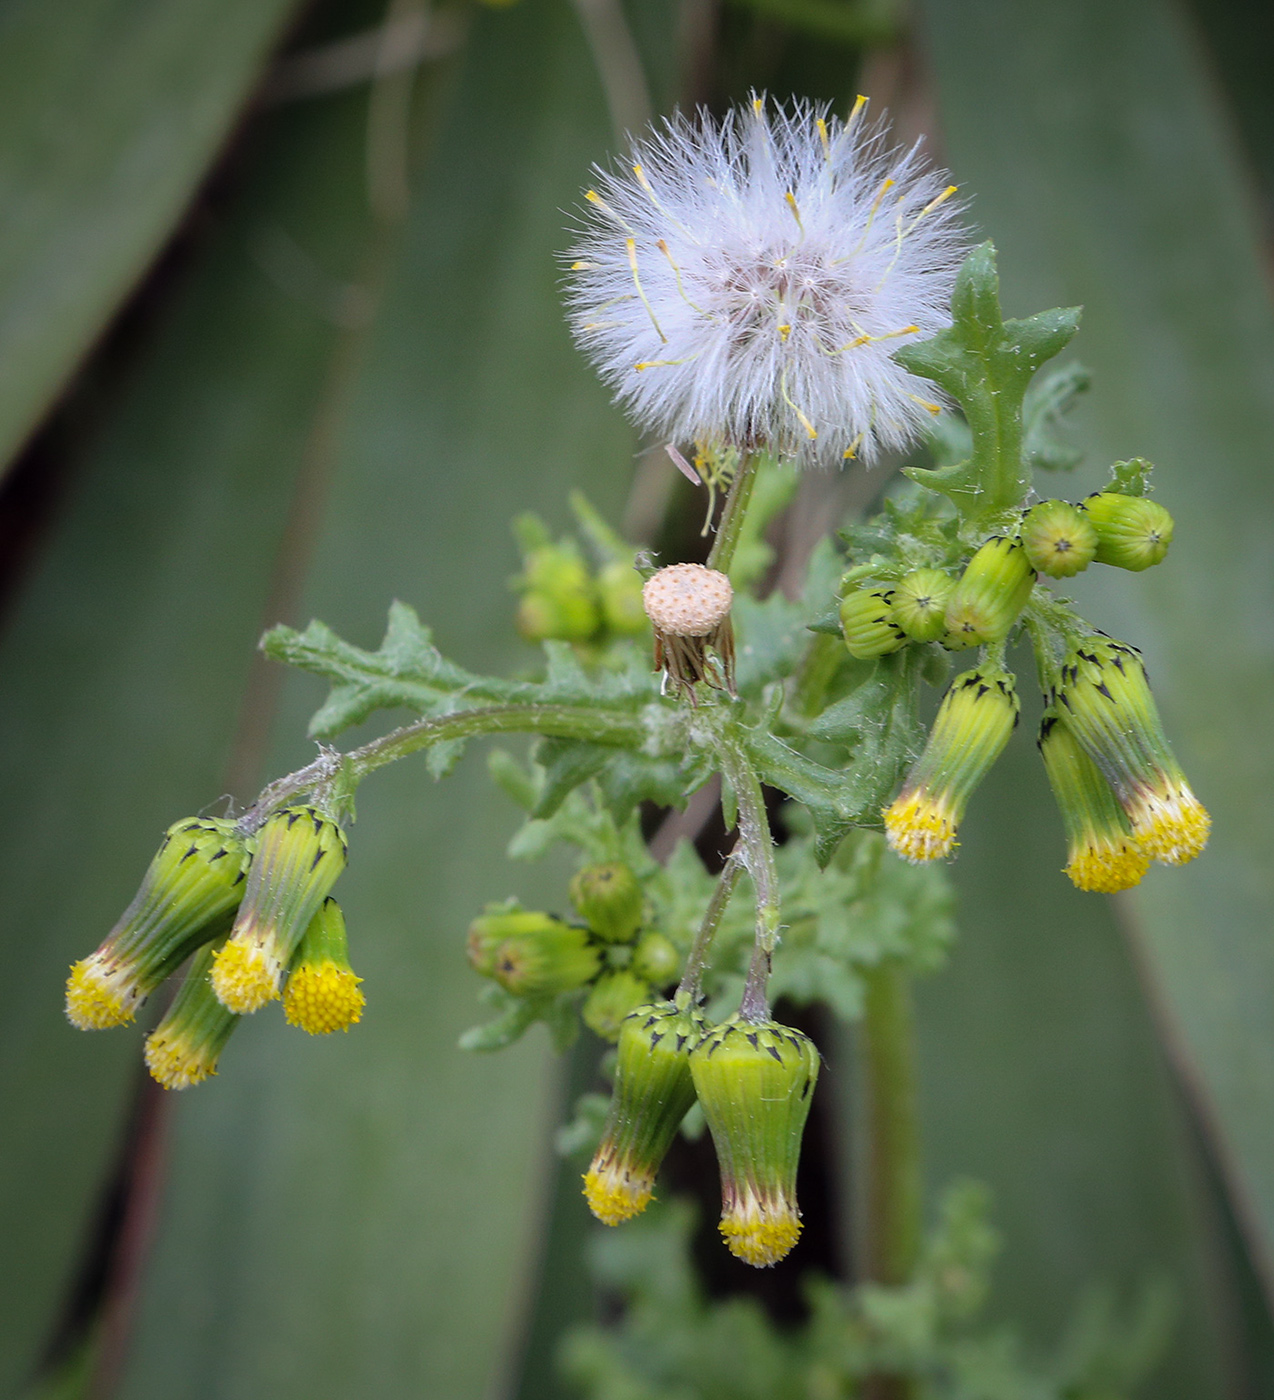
(687, 600)
(748, 281)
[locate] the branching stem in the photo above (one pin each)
(756, 848)
(697, 959)
(593, 725)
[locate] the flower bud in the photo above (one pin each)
(656, 959)
(653, 1091)
(867, 623)
(184, 1048)
(188, 897)
(499, 923)
(322, 994)
(972, 726)
(554, 957)
(1105, 699)
(1133, 532)
(300, 854)
(619, 587)
(612, 997)
(609, 900)
(1103, 855)
(990, 594)
(567, 617)
(1059, 539)
(755, 1083)
(920, 603)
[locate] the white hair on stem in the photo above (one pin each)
(747, 281)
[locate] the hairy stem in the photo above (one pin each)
(756, 848)
(556, 721)
(733, 512)
(698, 956)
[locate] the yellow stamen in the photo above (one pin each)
(176, 1063)
(245, 977)
(663, 248)
(925, 403)
(99, 996)
(1104, 867)
(784, 331)
(918, 826)
(822, 136)
(1172, 828)
(759, 1233)
(804, 421)
(631, 245)
(851, 452)
(615, 1194)
(860, 104)
(323, 998)
(594, 198)
(796, 213)
(757, 105)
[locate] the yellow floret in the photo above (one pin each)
(244, 977)
(99, 996)
(176, 1063)
(322, 998)
(615, 1194)
(919, 827)
(760, 1234)
(1173, 829)
(1105, 867)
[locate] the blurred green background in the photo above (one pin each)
(280, 336)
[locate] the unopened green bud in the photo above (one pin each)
(970, 731)
(1105, 699)
(1133, 532)
(323, 994)
(559, 602)
(609, 900)
(184, 1048)
(300, 854)
(555, 957)
(499, 923)
(619, 588)
(920, 603)
(755, 1083)
(612, 997)
(990, 594)
(867, 623)
(563, 617)
(187, 898)
(1059, 539)
(1103, 855)
(653, 1091)
(656, 958)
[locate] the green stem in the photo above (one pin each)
(730, 526)
(698, 957)
(894, 1192)
(555, 721)
(756, 845)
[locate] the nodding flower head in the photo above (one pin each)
(747, 281)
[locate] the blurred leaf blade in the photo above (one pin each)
(1107, 172)
(154, 581)
(113, 112)
(358, 1217)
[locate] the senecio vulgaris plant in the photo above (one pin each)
(781, 288)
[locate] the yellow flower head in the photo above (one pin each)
(972, 726)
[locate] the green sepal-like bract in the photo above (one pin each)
(187, 897)
(755, 1082)
(653, 1092)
